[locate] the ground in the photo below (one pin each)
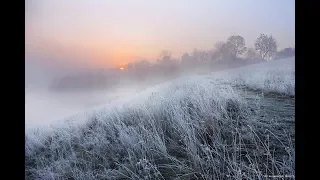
(234, 124)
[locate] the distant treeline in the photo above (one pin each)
(231, 53)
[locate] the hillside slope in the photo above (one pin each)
(215, 126)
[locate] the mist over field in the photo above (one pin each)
(156, 90)
(45, 105)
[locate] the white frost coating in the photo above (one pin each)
(174, 116)
(272, 76)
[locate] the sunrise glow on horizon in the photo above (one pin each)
(114, 33)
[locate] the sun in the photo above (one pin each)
(121, 68)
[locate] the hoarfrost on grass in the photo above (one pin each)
(191, 127)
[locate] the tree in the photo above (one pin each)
(221, 51)
(142, 69)
(165, 58)
(286, 52)
(200, 57)
(266, 46)
(185, 57)
(142, 65)
(165, 54)
(185, 60)
(196, 56)
(235, 46)
(252, 54)
(166, 65)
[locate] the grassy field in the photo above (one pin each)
(223, 125)
(277, 76)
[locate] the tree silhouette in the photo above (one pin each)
(266, 46)
(235, 46)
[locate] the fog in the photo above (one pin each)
(56, 89)
(163, 88)
(83, 54)
(44, 106)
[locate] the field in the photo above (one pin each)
(232, 124)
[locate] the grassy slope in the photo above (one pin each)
(277, 76)
(193, 127)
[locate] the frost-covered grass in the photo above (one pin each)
(189, 128)
(276, 76)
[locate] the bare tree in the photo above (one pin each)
(166, 64)
(185, 60)
(219, 45)
(236, 46)
(165, 54)
(266, 46)
(252, 54)
(185, 57)
(196, 55)
(221, 51)
(142, 68)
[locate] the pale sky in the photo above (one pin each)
(115, 32)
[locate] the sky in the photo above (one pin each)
(112, 33)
